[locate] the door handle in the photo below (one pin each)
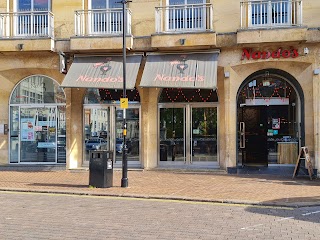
(242, 128)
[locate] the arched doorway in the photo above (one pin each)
(270, 117)
(188, 127)
(37, 122)
(103, 120)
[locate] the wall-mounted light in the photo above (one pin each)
(63, 62)
(226, 74)
(20, 46)
(306, 51)
(182, 41)
(316, 71)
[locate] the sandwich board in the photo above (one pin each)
(304, 154)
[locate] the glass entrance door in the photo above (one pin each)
(204, 134)
(188, 135)
(172, 134)
(38, 134)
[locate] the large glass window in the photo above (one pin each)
(37, 122)
(103, 121)
(37, 89)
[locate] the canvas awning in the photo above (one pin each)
(187, 70)
(102, 72)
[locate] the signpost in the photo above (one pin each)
(124, 100)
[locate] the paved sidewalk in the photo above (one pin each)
(215, 186)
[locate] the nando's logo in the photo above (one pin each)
(181, 64)
(104, 67)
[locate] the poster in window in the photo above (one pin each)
(275, 123)
(27, 125)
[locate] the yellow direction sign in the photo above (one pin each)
(124, 103)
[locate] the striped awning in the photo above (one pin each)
(187, 70)
(102, 72)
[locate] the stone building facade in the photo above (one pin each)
(211, 84)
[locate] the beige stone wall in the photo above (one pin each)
(75, 128)
(226, 15)
(64, 17)
(149, 127)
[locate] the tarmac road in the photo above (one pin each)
(60, 216)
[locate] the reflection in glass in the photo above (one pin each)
(132, 137)
(97, 130)
(34, 129)
(37, 89)
(204, 134)
(172, 134)
(38, 134)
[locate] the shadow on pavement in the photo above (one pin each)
(309, 208)
(286, 180)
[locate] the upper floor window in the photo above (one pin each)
(33, 5)
(105, 4)
(105, 16)
(186, 14)
(271, 13)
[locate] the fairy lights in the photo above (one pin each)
(267, 92)
(188, 95)
(110, 95)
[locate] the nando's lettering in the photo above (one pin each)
(85, 78)
(280, 53)
(181, 63)
(164, 78)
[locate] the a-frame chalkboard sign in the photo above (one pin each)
(304, 154)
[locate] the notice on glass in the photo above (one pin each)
(27, 131)
(275, 123)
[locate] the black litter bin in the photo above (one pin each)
(101, 168)
(163, 152)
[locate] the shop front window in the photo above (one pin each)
(37, 120)
(103, 124)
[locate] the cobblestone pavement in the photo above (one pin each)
(197, 186)
(61, 216)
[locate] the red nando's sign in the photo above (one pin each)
(280, 53)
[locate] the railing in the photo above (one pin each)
(272, 13)
(182, 18)
(26, 24)
(101, 22)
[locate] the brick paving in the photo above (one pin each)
(215, 186)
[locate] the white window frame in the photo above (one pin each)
(172, 29)
(16, 20)
(107, 18)
(269, 21)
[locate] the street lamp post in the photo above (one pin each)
(124, 179)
